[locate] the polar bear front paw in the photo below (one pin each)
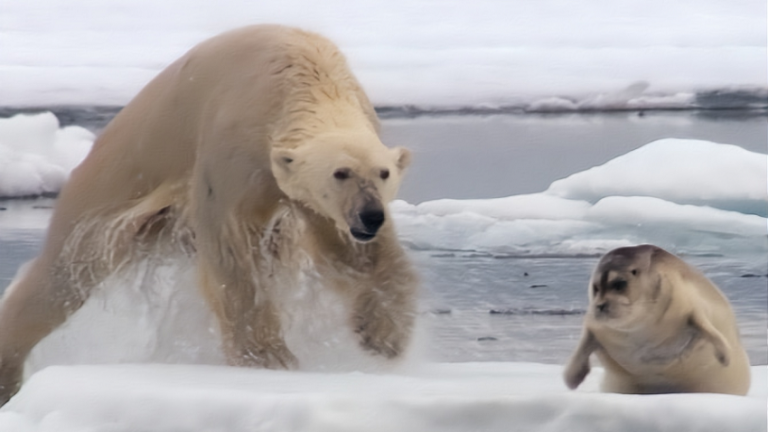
(382, 336)
(269, 357)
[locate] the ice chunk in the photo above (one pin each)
(678, 170)
(685, 195)
(36, 156)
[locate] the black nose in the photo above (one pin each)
(372, 220)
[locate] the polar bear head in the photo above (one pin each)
(347, 177)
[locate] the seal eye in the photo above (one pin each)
(341, 174)
(384, 174)
(619, 285)
(634, 272)
(595, 289)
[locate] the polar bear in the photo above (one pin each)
(253, 153)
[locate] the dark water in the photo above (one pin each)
(539, 301)
(531, 309)
(496, 156)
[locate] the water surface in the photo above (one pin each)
(539, 301)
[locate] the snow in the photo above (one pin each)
(552, 54)
(432, 397)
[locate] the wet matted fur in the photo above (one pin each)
(256, 152)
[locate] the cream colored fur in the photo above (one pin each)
(255, 152)
(659, 326)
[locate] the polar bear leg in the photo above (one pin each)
(248, 319)
(230, 267)
(249, 323)
(57, 283)
(32, 307)
(384, 314)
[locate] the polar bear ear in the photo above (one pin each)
(282, 158)
(403, 157)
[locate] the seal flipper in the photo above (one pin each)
(578, 366)
(705, 328)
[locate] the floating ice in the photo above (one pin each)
(678, 170)
(690, 196)
(36, 156)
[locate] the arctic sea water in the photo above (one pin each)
(482, 305)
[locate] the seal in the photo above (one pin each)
(658, 325)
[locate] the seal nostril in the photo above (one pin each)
(602, 307)
(372, 220)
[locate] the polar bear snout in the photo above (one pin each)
(367, 222)
(372, 219)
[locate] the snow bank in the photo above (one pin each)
(690, 196)
(436, 397)
(572, 55)
(36, 156)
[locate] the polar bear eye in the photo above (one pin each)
(341, 174)
(384, 174)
